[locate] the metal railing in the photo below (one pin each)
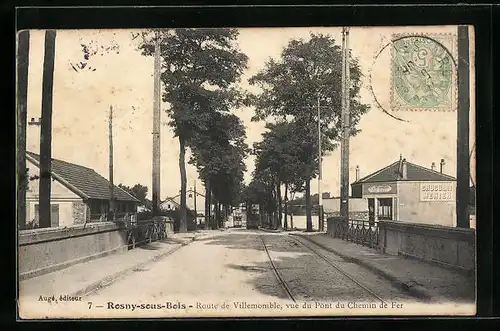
(103, 217)
(145, 231)
(358, 231)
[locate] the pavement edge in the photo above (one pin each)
(108, 280)
(415, 290)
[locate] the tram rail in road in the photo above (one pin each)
(277, 273)
(322, 257)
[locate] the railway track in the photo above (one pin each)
(321, 257)
(277, 273)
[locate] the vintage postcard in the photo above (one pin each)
(246, 172)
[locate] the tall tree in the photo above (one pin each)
(201, 68)
(290, 88)
(218, 152)
(46, 129)
(23, 49)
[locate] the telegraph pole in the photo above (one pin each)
(320, 172)
(463, 159)
(344, 191)
(111, 185)
(195, 210)
(156, 125)
(23, 50)
(46, 130)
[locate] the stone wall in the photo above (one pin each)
(361, 215)
(46, 250)
(79, 212)
(447, 246)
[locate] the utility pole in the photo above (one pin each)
(463, 160)
(23, 50)
(111, 185)
(344, 191)
(320, 172)
(195, 210)
(46, 130)
(156, 125)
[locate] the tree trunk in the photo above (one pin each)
(223, 215)
(286, 207)
(280, 207)
(227, 214)
(46, 130)
(261, 215)
(182, 168)
(308, 206)
(22, 99)
(217, 214)
(208, 211)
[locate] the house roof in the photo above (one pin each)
(170, 200)
(82, 180)
(414, 172)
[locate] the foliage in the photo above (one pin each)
(31, 225)
(139, 191)
(219, 153)
(199, 72)
(307, 75)
(290, 88)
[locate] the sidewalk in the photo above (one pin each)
(84, 278)
(423, 280)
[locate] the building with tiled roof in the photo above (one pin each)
(78, 193)
(406, 191)
(394, 172)
(169, 204)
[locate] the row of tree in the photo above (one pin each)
(200, 72)
(300, 95)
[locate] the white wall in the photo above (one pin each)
(355, 205)
(411, 209)
(166, 204)
(300, 223)
(65, 211)
(60, 195)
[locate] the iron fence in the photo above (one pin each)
(358, 231)
(145, 231)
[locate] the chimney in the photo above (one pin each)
(357, 172)
(433, 166)
(405, 170)
(33, 135)
(441, 165)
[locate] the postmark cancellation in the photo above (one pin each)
(423, 72)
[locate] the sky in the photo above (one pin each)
(124, 80)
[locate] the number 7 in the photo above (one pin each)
(90, 304)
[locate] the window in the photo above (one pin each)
(384, 211)
(54, 215)
(95, 206)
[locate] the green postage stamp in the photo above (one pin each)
(423, 72)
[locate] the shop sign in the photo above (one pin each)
(379, 189)
(437, 192)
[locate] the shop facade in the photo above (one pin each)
(405, 191)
